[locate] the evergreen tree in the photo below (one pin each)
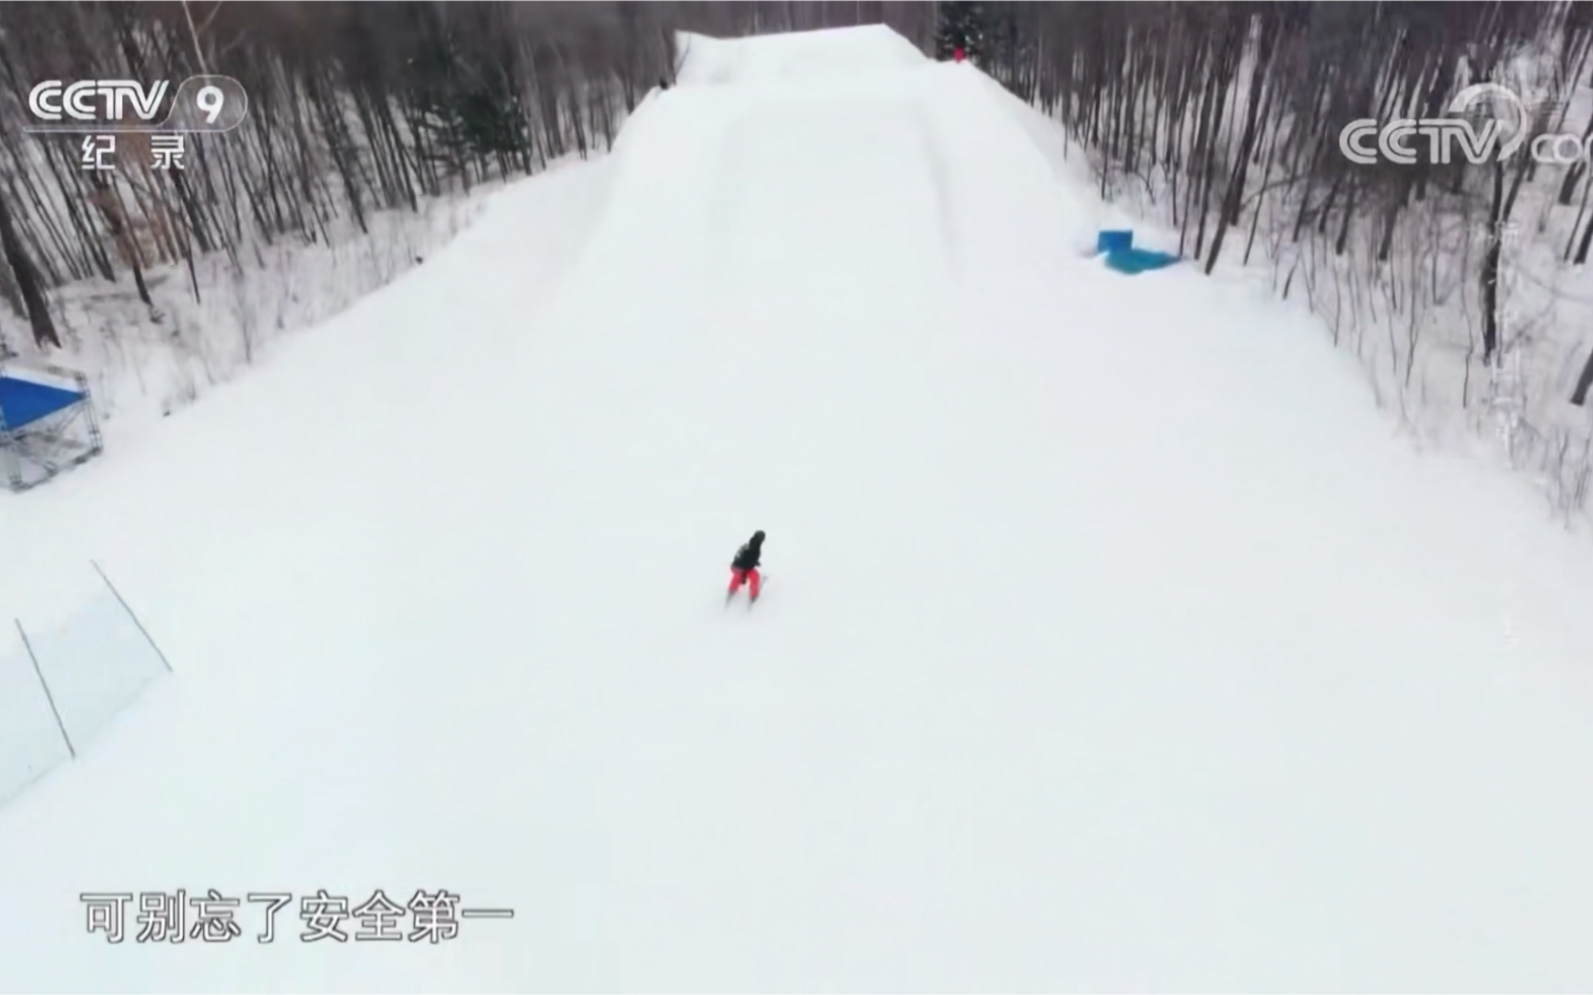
(962, 25)
(469, 105)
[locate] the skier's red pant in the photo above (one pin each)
(748, 577)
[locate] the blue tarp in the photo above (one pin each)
(1132, 261)
(1114, 240)
(1117, 245)
(23, 402)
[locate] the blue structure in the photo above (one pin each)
(1117, 245)
(1113, 240)
(47, 424)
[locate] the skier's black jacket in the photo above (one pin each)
(747, 556)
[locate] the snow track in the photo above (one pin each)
(1115, 643)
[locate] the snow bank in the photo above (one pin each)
(793, 57)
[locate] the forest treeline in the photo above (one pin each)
(353, 108)
(1461, 286)
(1226, 115)
(1230, 115)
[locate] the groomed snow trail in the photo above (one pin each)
(1111, 643)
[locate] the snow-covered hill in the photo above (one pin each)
(1111, 642)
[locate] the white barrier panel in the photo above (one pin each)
(79, 677)
(30, 741)
(96, 665)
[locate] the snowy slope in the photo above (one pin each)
(1111, 642)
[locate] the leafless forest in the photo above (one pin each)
(1459, 286)
(1222, 119)
(1234, 110)
(354, 107)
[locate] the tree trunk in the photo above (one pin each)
(27, 282)
(1490, 267)
(1579, 396)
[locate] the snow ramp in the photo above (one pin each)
(1110, 643)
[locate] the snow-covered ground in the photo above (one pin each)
(1112, 640)
(1410, 311)
(144, 363)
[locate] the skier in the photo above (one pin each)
(744, 568)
